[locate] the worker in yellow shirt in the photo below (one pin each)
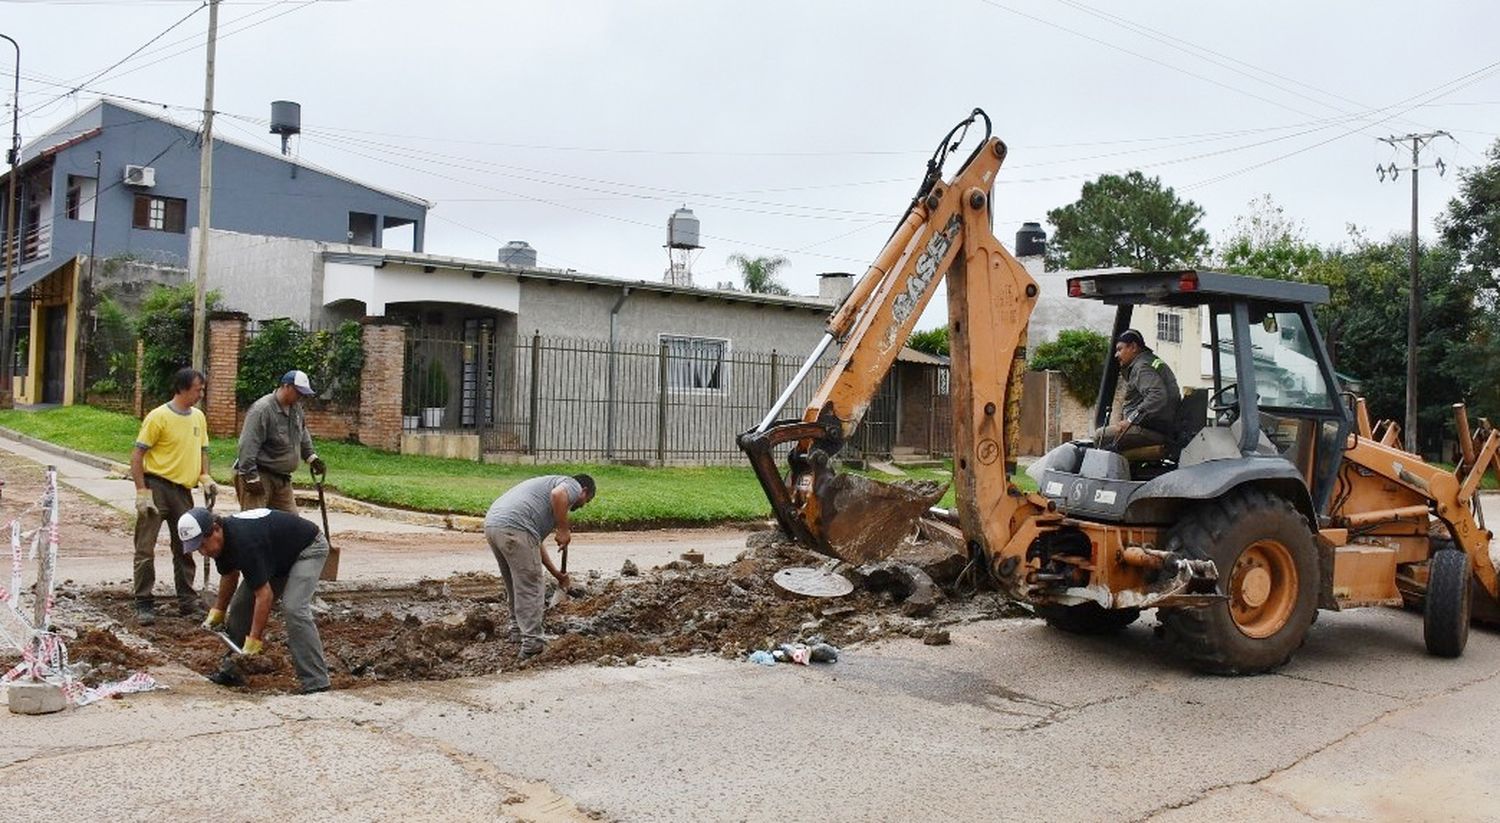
(170, 457)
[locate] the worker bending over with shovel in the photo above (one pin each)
(278, 554)
(515, 526)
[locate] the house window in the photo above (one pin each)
(21, 335)
(79, 200)
(160, 214)
(696, 363)
(1168, 327)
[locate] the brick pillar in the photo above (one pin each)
(380, 384)
(226, 338)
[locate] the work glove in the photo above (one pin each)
(253, 646)
(317, 465)
(253, 484)
(214, 621)
(145, 505)
(210, 490)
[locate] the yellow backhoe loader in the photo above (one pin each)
(1274, 497)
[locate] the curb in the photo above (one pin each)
(101, 463)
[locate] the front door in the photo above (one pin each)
(54, 353)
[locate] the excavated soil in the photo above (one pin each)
(456, 627)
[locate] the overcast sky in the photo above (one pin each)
(798, 128)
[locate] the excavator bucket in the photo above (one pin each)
(863, 520)
(847, 516)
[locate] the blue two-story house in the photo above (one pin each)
(120, 180)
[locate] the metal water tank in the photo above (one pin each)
(518, 253)
(286, 120)
(682, 230)
(1031, 240)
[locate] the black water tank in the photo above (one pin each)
(1031, 241)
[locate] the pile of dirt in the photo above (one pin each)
(457, 627)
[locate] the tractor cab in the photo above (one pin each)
(1260, 401)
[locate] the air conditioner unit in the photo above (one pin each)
(143, 176)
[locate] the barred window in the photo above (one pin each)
(1168, 327)
(696, 363)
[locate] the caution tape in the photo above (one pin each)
(44, 655)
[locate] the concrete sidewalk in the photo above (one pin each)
(113, 487)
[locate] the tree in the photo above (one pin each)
(932, 341)
(1267, 243)
(759, 273)
(165, 326)
(1471, 224)
(1080, 355)
(1127, 221)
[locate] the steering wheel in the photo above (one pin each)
(1225, 403)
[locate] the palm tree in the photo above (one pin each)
(759, 273)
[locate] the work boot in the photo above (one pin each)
(312, 689)
(145, 612)
(191, 607)
(514, 636)
(528, 652)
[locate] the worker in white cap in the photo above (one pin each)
(273, 443)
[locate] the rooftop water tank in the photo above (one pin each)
(682, 230)
(518, 253)
(1031, 240)
(286, 120)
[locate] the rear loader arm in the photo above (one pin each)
(1450, 496)
(946, 230)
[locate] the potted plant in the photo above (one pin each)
(434, 390)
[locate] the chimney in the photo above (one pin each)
(835, 285)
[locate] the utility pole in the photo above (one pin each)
(1413, 313)
(205, 190)
(12, 242)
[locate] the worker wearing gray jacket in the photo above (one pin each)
(1151, 397)
(273, 443)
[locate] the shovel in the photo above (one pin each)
(561, 595)
(208, 503)
(331, 565)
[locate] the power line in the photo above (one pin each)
(137, 50)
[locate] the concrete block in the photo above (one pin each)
(35, 697)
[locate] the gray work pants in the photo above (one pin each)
(296, 592)
(520, 558)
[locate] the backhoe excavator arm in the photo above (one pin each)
(946, 230)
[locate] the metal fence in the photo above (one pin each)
(680, 401)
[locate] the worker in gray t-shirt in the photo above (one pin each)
(515, 526)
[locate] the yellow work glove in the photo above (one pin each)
(214, 621)
(253, 646)
(145, 504)
(210, 489)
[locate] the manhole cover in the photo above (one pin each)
(813, 582)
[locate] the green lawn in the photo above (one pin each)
(629, 496)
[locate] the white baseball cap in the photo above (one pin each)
(192, 527)
(298, 378)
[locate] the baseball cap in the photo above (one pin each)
(1131, 336)
(193, 527)
(298, 378)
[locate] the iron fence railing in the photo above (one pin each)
(678, 401)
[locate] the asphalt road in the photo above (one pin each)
(1011, 721)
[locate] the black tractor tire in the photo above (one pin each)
(1445, 621)
(1264, 540)
(1087, 618)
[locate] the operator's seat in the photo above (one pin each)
(1192, 416)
